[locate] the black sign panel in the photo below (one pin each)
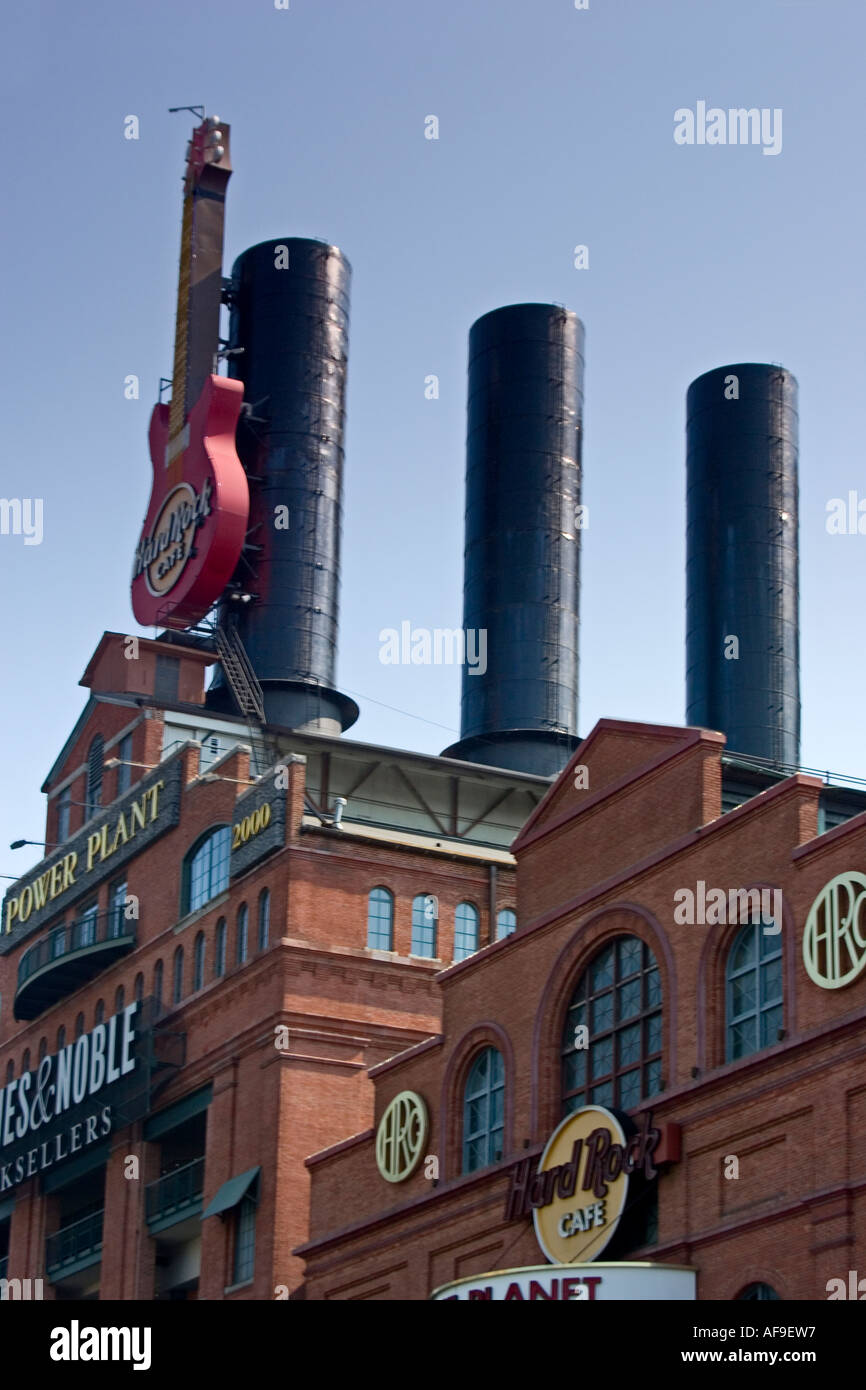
(74, 1098)
(108, 842)
(259, 823)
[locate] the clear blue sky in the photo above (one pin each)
(556, 128)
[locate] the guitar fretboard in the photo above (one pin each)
(177, 413)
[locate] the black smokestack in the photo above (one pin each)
(521, 563)
(742, 591)
(290, 315)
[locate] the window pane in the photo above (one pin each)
(601, 1013)
(629, 1088)
(602, 1095)
(628, 1000)
(629, 1040)
(601, 973)
(601, 1057)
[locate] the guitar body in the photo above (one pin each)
(198, 512)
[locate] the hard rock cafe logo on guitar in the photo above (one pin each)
(163, 555)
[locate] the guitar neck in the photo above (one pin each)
(199, 290)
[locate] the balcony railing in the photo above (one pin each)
(78, 1244)
(65, 958)
(177, 1194)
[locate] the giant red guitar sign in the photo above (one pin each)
(199, 503)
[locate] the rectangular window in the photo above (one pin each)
(245, 1241)
(85, 927)
(116, 908)
(124, 771)
(63, 808)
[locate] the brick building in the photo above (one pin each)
(197, 976)
(740, 1032)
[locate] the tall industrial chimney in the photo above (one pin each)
(521, 559)
(742, 593)
(290, 315)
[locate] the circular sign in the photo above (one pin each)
(586, 1197)
(170, 544)
(834, 947)
(401, 1137)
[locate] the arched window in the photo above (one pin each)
(139, 987)
(43, 1047)
(79, 1026)
(206, 868)
(157, 982)
(506, 922)
(380, 920)
(25, 1061)
(264, 918)
(10, 1070)
(119, 999)
(243, 919)
(753, 991)
(177, 976)
(483, 1111)
(61, 1038)
(219, 960)
(612, 1041)
(94, 776)
(760, 1292)
(425, 919)
(198, 962)
(99, 1011)
(466, 924)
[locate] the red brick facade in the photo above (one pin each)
(596, 863)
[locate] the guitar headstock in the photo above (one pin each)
(208, 148)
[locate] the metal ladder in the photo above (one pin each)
(247, 693)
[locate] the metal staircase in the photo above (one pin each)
(247, 692)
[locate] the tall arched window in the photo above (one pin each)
(219, 959)
(198, 962)
(177, 976)
(753, 991)
(466, 927)
(99, 1012)
(94, 776)
(25, 1061)
(10, 1070)
(483, 1111)
(506, 922)
(380, 920)
(43, 1047)
(79, 1026)
(61, 1038)
(157, 982)
(206, 868)
(139, 987)
(243, 921)
(612, 1041)
(119, 999)
(264, 918)
(425, 920)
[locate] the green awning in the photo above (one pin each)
(231, 1193)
